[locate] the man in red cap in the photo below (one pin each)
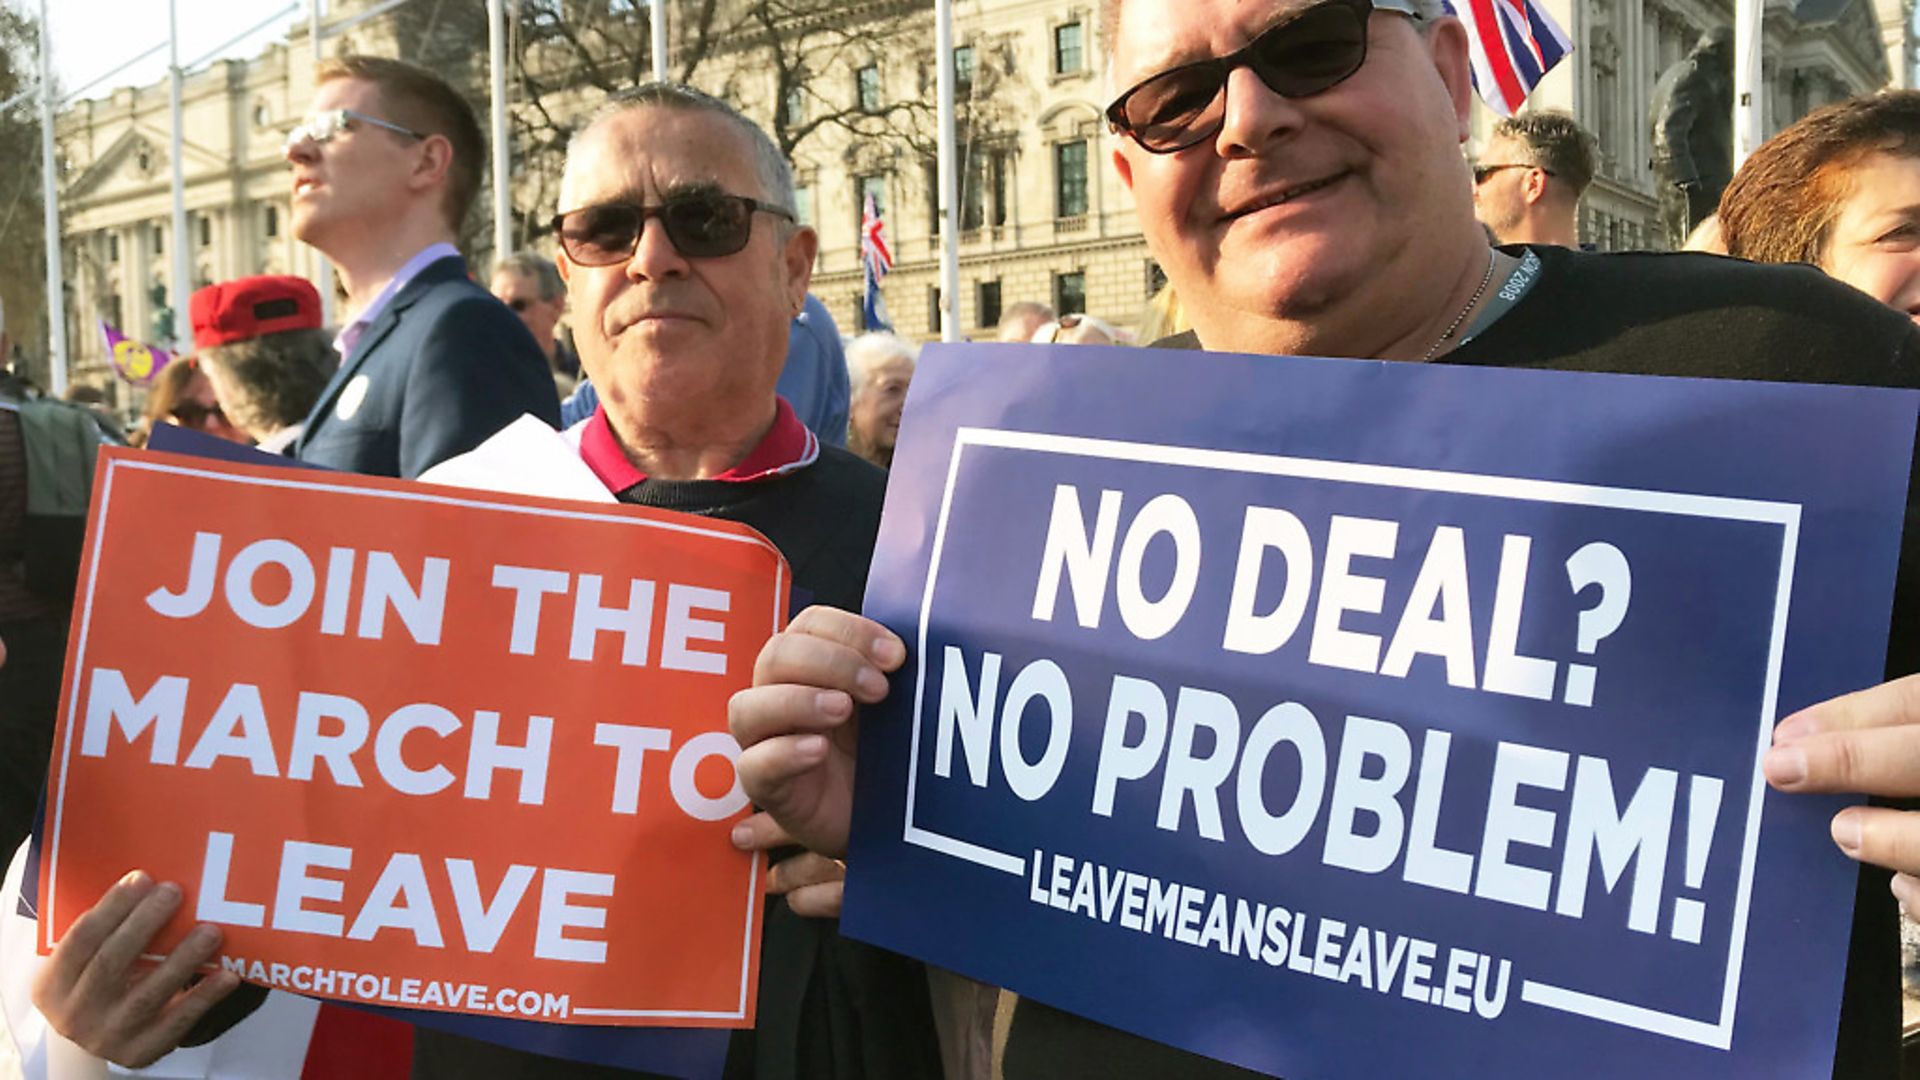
(260, 343)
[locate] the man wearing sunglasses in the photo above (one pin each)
(531, 288)
(383, 172)
(1298, 174)
(684, 268)
(1527, 183)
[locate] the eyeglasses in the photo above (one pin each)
(1481, 172)
(1309, 51)
(192, 414)
(700, 227)
(321, 127)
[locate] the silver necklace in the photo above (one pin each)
(1472, 302)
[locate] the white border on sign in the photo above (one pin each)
(1715, 1033)
(427, 495)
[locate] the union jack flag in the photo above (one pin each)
(1513, 44)
(876, 259)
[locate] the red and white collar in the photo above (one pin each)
(787, 447)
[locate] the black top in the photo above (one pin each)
(830, 1008)
(1643, 314)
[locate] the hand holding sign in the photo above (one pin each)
(90, 995)
(1866, 742)
(797, 725)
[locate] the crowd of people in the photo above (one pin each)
(1303, 198)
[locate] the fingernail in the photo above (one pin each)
(742, 837)
(1846, 831)
(872, 682)
(205, 934)
(1904, 891)
(135, 879)
(832, 702)
(889, 650)
(812, 746)
(1785, 765)
(1797, 726)
(169, 893)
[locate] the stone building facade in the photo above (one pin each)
(1044, 215)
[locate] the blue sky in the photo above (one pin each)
(92, 37)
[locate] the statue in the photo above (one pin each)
(1692, 113)
(162, 314)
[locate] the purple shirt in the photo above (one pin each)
(350, 334)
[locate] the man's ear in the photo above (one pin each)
(797, 263)
(1447, 45)
(436, 159)
(1536, 185)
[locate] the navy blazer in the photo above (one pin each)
(443, 366)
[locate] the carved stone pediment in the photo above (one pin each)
(132, 162)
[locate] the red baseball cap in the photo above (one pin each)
(249, 307)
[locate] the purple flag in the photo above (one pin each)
(135, 362)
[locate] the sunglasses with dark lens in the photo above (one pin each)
(192, 414)
(700, 227)
(1481, 172)
(1309, 51)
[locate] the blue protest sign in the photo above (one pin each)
(1345, 719)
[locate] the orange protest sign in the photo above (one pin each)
(417, 745)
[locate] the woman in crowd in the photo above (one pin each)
(1839, 189)
(182, 395)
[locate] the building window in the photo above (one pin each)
(1069, 53)
(206, 231)
(159, 240)
(933, 309)
(1070, 293)
(803, 203)
(973, 211)
(963, 71)
(867, 88)
(1070, 178)
(934, 222)
(997, 180)
(116, 311)
(796, 104)
(113, 247)
(273, 222)
(987, 303)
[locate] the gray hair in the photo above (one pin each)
(275, 378)
(538, 267)
(1555, 143)
(868, 353)
(1426, 11)
(776, 176)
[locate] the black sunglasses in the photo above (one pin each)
(700, 227)
(1481, 172)
(1309, 51)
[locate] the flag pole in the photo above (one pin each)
(497, 63)
(1747, 118)
(182, 282)
(949, 327)
(323, 274)
(659, 27)
(50, 205)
